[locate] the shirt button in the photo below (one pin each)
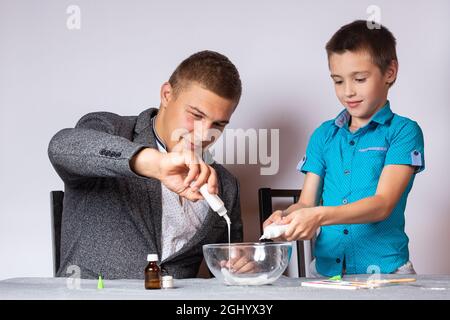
(352, 143)
(338, 260)
(346, 172)
(345, 231)
(416, 153)
(345, 201)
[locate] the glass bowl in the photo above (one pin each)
(249, 264)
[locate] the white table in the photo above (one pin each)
(426, 287)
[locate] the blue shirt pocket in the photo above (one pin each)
(369, 162)
(368, 149)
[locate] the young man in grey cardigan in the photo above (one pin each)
(131, 182)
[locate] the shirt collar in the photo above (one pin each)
(161, 146)
(382, 116)
(342, 118)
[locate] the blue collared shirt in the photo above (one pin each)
(350, 165)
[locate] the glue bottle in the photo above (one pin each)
(152, 273)
(214, 202)
(274, 231)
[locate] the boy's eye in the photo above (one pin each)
(337, 82)
(360, 80)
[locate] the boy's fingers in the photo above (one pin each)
(272, 218)
(287, 219)
(278, 219)
(294, 230)
(290, 231)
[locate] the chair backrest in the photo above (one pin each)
(265, 196)
(56, 209)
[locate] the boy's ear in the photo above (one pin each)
(166, 94)
(391, 72)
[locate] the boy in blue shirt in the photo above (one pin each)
(361, 164)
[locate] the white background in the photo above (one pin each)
(50, 76)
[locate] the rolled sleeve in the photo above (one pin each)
(407, 147)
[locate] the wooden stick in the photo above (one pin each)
(393, 280)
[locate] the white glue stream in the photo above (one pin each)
(218, 206)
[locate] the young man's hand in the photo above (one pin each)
(241, 261)
(182, 172)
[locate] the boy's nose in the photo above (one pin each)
(349, 91)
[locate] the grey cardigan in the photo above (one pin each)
(112, 216)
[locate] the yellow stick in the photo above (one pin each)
(393, 280)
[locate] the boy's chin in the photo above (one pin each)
(356, 112)
(352, 111)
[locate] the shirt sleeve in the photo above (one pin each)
(313, 160)
(407, 147)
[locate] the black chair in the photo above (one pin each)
(56, 208)
(265, 196)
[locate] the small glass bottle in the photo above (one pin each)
(152, 273)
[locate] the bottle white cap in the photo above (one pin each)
(152, 257)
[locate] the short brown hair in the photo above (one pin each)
(379, 42)
(211, 70)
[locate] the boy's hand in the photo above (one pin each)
(303, 224)
(275, 217)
